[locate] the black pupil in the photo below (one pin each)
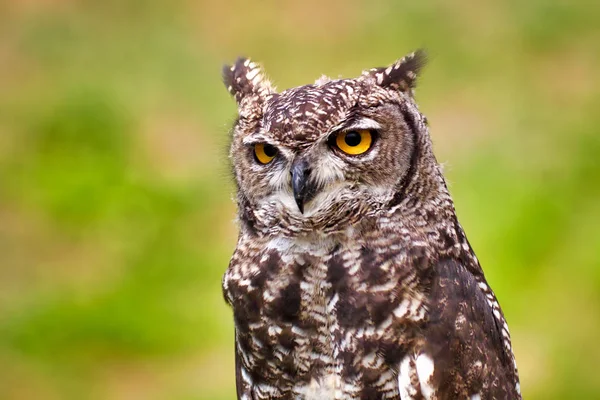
(269, 150)
(352, 138)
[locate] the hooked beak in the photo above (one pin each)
(301, 186)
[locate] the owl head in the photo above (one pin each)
(326, 156)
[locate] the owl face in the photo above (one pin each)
(320, 157)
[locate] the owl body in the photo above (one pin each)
(352, 278)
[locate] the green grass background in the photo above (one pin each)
(116, 219)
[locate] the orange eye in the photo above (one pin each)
(354, 142)
(264, 152)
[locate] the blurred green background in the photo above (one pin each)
(116, 219)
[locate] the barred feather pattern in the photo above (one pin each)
(373, 292)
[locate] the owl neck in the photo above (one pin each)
(422, 190)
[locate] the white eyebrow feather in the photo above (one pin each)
(362, 123)
(257, 138)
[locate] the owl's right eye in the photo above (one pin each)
(354, 142)
(264, 152)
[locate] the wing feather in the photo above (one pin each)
(465, 338)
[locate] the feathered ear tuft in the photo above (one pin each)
(401, 75)
(246, 78)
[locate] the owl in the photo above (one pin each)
(352, 277)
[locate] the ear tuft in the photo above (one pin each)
(246, 78)
(401, 75)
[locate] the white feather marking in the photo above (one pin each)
(257, 79)
(298, 331)
(268, 296)
(402, 309)
(246, 376)
(425, 369)
(386, 323)
(497, 314)
(279, 243)
(324, 388)
(369, 358)
(364, 123)
(404, 385)
(322, 80)
(252, 73)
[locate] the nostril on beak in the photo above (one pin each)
(303, 172)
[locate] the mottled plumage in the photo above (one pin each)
(352, 278)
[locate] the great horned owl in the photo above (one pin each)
(352, 278)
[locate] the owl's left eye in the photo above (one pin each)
(264, 152)
(354, 142)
